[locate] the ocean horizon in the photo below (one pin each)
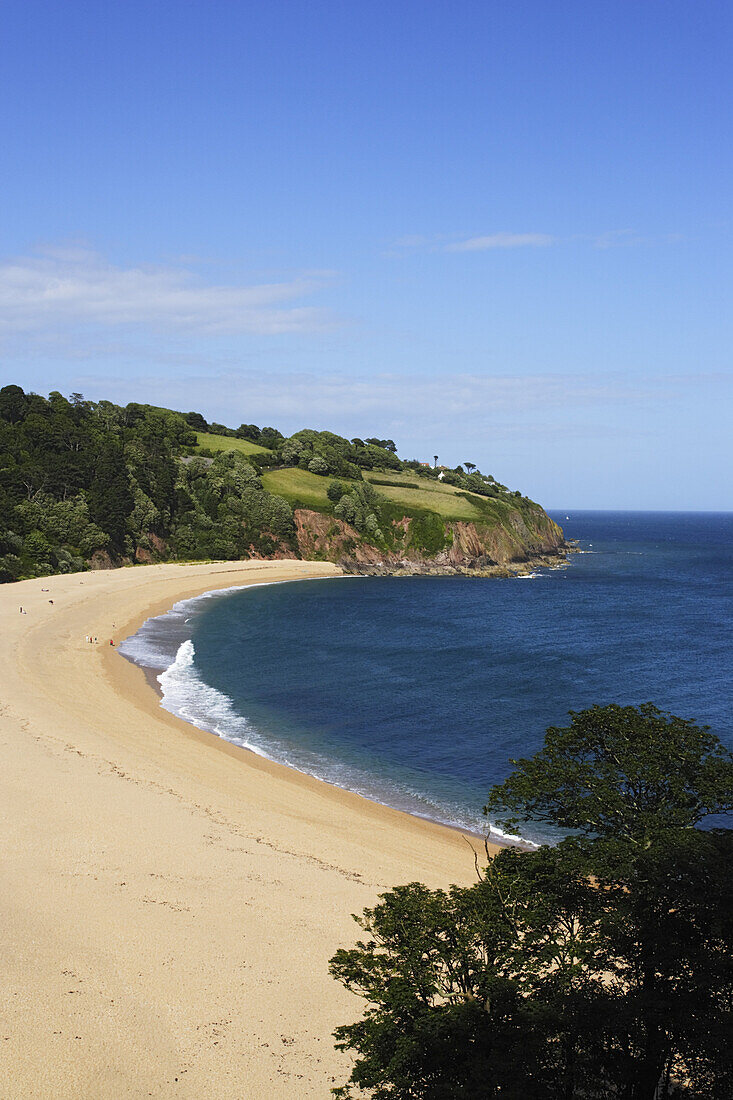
(417, 692)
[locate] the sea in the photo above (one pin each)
(418, 692)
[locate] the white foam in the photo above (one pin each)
(186, 695)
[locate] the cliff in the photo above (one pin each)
(517, 545)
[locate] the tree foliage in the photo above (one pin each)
(629, 772)
(598, 968)
(79, 479)
(328, 453)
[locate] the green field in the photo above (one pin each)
(432, 496)
(302, 487)
(229, 443)
(299, 486)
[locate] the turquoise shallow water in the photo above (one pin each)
(418, 691)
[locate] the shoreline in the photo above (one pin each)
(153, 675)
(170, 903)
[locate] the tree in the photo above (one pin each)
(270, 438)
(248, 431)
(197, 421)
(318, 465)
(110, 497)
(470, 466)
(13, 404)
(444, 974)
(627, 772)
(597, 968)
(385, 444)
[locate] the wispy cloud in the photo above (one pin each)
(445, 242)
(502, 240)
(342, 402)
(71, 286)
(614, 238)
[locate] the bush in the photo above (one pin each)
(318, 465)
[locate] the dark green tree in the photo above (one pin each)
(248, 431)
(270, 438)
(597, 968)
(627, 772)
(13, 404)
(197, 421)
(110, 497)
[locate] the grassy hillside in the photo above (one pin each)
(431, 496)
(228, 443)
(299, 487)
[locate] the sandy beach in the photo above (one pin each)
(169, 902)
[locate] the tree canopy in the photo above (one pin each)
(600, 967)
(80, 480)
(630, 772)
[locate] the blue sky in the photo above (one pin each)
(499, 232)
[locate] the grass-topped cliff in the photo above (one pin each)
(91, 484)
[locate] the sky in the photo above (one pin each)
(496, 232)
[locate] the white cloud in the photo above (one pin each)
(501, 240)
(68, 287)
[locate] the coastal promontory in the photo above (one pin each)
(90, 484)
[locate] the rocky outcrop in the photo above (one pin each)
(326, 538)
(101, 559)
(521, 542)
(151, 548)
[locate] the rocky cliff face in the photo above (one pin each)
(522, 541)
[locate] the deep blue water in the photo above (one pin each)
(418, 691)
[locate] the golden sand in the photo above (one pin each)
(169, 902)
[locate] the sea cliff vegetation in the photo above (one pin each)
(90, 484)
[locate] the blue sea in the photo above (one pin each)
(418, 691)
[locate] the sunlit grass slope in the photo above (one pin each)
(228, 443)
(431, 496)
(407, 491)
(299, 487)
